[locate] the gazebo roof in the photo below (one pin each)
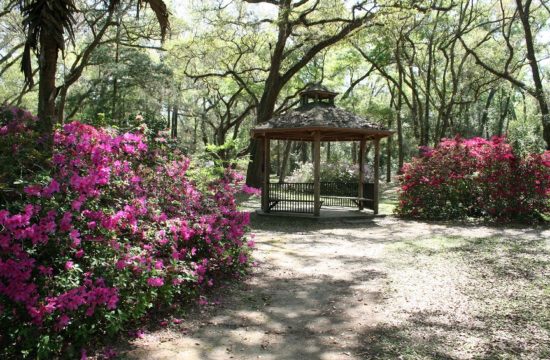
(333, 123)
(319, 91)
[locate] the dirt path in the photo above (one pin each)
(386, 288)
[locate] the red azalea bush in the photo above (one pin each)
(114, 228)
(478, 178)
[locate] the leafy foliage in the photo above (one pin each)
(43, 18)
(115, 228)
(19, 158)
(212, 163)
(329, 171)
(475, 177)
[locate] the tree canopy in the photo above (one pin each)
(428, 69)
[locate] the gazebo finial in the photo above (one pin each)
(318, 93)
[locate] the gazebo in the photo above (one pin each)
(316, 120)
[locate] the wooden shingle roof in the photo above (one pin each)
(333, 124)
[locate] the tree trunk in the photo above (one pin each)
(278, 147)
(388, 155)
(400, 155)
(415, 109)
(524, 13)
(376, 165)
(62, 98)
(360, 193)
(266, 108)
(398, 107)
(284, 165)
(195, 134)
(503, 113)
(426, 122)
(115, 79)
(303, 152)
(46, 89)
(485, 114)
(174, 132)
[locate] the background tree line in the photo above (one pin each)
(428, 69)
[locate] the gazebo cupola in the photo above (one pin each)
(317, 94)
(317, 119)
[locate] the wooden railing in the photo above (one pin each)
(298, 197)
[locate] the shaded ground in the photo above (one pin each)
(377, 289)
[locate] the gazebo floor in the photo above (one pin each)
(330, 214)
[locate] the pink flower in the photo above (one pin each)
(251, 190)
(115, 209)
(65, 223)
(120, 264)
(33, 190)
(47, 271)
(52, 188)
(58, 159)
(203, 301)
(155, 282)
(242, 258)
(62, 322)
(76, 204)
(75, 237)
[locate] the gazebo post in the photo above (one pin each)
(267, 167)
(360, 193)
(376, 173)
(317, 174)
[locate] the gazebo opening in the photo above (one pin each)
(316, 120)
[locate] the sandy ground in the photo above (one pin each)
(375, 289)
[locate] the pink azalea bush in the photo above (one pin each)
(478, 178)
(114, 229)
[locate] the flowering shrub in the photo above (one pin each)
(475, 177)
(114, 228)
(214, 160)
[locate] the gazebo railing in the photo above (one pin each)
(291, 197)
(298, 197)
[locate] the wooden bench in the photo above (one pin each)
(274, 202)
(355, 199)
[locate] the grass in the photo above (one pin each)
(388, 198)
(486, 298)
